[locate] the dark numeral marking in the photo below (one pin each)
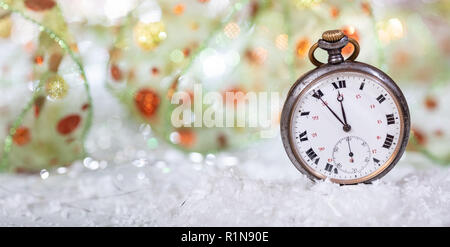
(317, 161)
(328, 167)
(390, 119)
(318, 94)
(362, 86)
(380, 98)
(305, 113)
(339, 84)
(388, 141)
(376, 160)
(311, 154)
(303, 136)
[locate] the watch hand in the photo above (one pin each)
(347, 126)
(337, 117)
(350, 150)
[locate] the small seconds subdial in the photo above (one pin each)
(351, 154)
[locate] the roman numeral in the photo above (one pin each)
(303, 136)
(317, 161)
(388, 141)
(339, 84)
(328, 167)
(305, 113)
(362, 86)
(318, 94)
(380, 98)
(390, 119)
(311, 154)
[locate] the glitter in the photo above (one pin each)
(176, 56)
(149, 35)
(210, 159)
(174, 137)
(281, 41)
(56, 87)
(178, 9)
(140, 163)
(232, 30)
(86, 161)
(44, 174)
(94, 165)
(145, 129)
(196, 157)
(61, 170)
(302, 47)
(395, 28)
(152, 143)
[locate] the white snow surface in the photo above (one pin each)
(262, 191)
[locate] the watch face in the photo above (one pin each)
(347, 126)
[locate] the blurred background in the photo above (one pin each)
(85, 90)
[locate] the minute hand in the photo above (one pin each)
(340, 98)
(337, 117)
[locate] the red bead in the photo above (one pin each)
(68, 124)
(22, 136)
(147, 101)
(116, 73)
(40, 5)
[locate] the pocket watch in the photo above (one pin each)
(345, 121)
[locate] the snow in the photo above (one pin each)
(256, 192)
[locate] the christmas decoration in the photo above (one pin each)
(44, 93)
(254, 48)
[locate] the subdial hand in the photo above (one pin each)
(350, 151)
(326, 104)
(347, 126)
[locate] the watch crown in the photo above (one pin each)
(332, 35)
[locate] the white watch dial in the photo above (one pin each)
(346, 126)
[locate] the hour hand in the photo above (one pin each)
(326, 104)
